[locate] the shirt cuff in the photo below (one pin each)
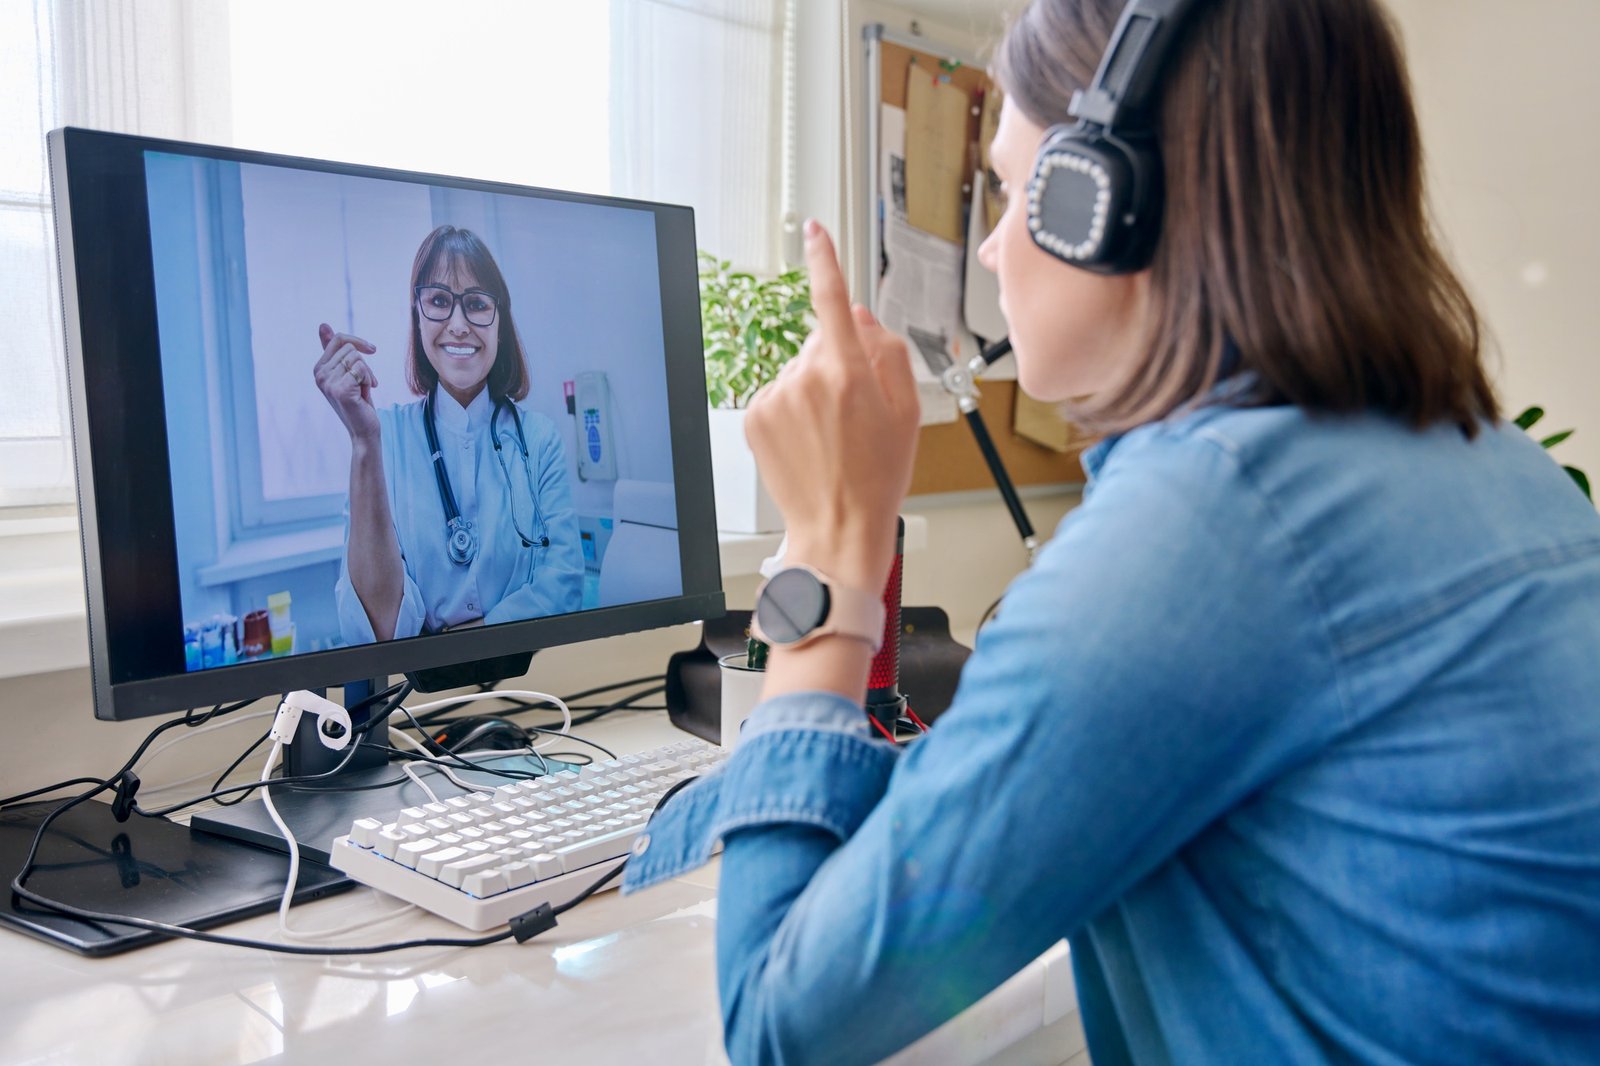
(806, 758)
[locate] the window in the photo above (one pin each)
(663, 99)
(34, 462)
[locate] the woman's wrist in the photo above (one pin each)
(858, 559)
(833, 663)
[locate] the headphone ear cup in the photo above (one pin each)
(1084, 201)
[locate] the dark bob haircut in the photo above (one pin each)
(449, 248)
(1294, 218)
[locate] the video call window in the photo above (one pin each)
(396, 409)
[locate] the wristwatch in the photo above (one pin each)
(799, 604)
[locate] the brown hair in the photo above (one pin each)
(448, 247)
(1294, 225)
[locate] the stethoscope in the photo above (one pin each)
(462, 537)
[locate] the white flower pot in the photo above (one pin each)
(743, 504)
(741, 691)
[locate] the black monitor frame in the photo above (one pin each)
(123, 475)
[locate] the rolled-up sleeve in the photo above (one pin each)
(808, 761)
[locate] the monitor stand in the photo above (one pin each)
(317, 814)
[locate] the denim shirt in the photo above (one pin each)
(1293, 729)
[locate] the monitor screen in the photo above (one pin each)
(335, 422)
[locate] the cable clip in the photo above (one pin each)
(333, 729)
(127, 788)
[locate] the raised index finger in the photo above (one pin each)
(829, 297)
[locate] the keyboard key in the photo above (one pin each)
(364, 833)
(430, 864)
(454, 873)
(597, 849)
(413, 850)
(503, 850)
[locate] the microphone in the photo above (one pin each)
(885, 703)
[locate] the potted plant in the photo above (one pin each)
(752, 326)
(1525, 422)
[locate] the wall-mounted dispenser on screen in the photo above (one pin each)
(597, 459)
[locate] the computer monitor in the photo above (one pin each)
(336, 422)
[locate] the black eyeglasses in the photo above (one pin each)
(438, 303)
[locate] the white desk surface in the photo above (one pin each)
(621, 980)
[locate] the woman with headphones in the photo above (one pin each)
(1293, 729)
(460, 509)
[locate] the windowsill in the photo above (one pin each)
(42, 620)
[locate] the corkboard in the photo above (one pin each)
(948, 459)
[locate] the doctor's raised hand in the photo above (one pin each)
(835, 436)
(376, 568)
(346, 379)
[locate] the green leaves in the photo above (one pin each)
(751, 327)
(1580, 479)
(1526, 420)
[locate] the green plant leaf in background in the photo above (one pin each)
(1581, 479)
(1526, 420)
(751, 327)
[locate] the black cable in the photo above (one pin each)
(58, 786)
(522, 927)
(619, 705)
(570, 736)
(234, 766)
(188, 719)
(990, 612)
(454, 757)
(399, 693)
(439, 764)
(521, 705)
(572, 758)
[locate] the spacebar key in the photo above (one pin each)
(596, 849)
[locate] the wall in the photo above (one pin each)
(1509, 98)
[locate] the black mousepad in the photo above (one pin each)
(144, 868)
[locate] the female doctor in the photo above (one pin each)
(460, 511)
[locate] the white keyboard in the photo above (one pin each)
(481, 859)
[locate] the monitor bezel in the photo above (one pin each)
(120, 446)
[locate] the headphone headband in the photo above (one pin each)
(1096, 193)
(1125, 85)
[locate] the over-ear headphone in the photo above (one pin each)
(1095, 196)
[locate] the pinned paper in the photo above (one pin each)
(937, 117)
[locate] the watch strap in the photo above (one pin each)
(851, 613)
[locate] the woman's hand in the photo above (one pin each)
(347, 381)
(836, 433)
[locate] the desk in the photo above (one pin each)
(622, 980)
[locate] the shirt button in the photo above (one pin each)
(641, 845)
(472, 606)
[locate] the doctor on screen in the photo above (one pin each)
(460, 509)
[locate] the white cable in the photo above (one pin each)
(445, 765)
(469, 697)
(288, 839)
(190, 734)
(294, 870)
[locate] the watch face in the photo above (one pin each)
(791, 605)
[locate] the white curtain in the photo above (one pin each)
(153, 67)
(696, 106)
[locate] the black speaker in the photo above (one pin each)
(930, 667)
